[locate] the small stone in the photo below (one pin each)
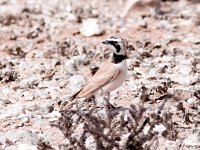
(11, 147)
(40, 123)
(192, 141)
(78, 131)
(76, 82)
(25, 120)
(185, 70)
(191, 100)
(53, 119)
(90, 143)
(55, 62)
(90, 27)
(47, 109)
(159, 128)
(182, 79)
(75, 117)
(72, 64)
(28, 96)
(6, 91)
(54, 92)
(143, 24)
(171, 145)
(193, 39)
(146, 130)
(13, 110)
(54, 114)
(23, 135)
(4, 101)
(26, 147)
(2, 137)
(31, 107)
(30, 82)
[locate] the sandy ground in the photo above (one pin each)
(47, 53)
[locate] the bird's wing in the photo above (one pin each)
(104, 75)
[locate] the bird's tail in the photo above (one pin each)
(70, 101)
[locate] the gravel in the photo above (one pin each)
(49, 50)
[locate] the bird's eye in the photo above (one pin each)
(115, 45)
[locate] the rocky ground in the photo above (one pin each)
(48, 50)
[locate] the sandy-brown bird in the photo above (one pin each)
(110, 75)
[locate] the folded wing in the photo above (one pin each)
(104, 75)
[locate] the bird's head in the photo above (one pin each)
(116, 44)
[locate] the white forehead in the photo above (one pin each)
(114, 39)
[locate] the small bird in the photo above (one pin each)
(110, 75)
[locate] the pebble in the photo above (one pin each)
(28, 96)
(72, 64)
(46, 109)
(76, 82)
(171, 145)
(182, 79)
(185, 69)
(90, 27)
(40, 122)
(4, 100)
(192, 100)
(159, 128)
(25, 120)
(26, 147)
(192, 141)
(11, 147)
(2, 137)
(90, 143)
(21, 147)
(78, 131)
(31, 82)
(22, 135)
(54, 114)
(13, 110)
(192, 39)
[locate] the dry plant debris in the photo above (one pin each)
(47, 53)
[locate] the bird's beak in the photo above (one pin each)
(105, 42)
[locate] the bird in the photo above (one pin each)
(110, 75)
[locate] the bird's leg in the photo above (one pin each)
(93, 100)
(107, 103)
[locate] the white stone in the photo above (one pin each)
(90, 143)
(185, 69)
(159, 128)
(72, 64)
(192, 140)
(25, 120)
(76, 82)
(78, 131)
(27, 136)
(146, 130)
(191, 100)
(13, 110)
(54, 114)
(28, 96)
(4, 100)
(90, 27)
(26, 147)
(170, 145)
(11, 147)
